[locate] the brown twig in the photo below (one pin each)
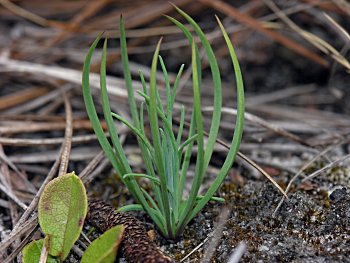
(68, 137)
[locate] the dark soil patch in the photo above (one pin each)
(307, 228)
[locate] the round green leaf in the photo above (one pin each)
(62, 210)
(104, 249)
(31, 252)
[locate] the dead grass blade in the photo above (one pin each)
(18, 230)
(69, 75)
(7, 191)
(28, 226)
(21, 96)
(343, 5)
(20, 142)
(327, 167)
(242, 156)
(31, 231)
(299, 173)
(39, 127)
(74, 24)
(24, 13)
(255, 119)
(252, 23)
(311, 38)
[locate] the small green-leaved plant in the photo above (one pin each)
(167, 155)
(104, 249)
(61, 211)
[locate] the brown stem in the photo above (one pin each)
(136, 245)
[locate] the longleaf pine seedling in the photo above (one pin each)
(167, 155)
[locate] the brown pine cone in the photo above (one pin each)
(136, 245)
